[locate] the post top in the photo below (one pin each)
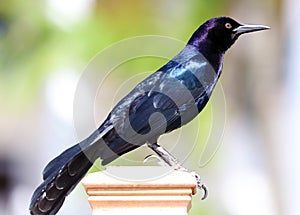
(140, 177)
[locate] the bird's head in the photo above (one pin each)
(221, 33)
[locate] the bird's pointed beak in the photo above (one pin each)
(246, 28)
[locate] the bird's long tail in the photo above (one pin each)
(64, 172)
(71, 166)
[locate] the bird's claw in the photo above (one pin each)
(205, 191)
(148, 157)
(152, 156)
(200, 185)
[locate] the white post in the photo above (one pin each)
(170, 193)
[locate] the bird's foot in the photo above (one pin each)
(200, 186)
(165, 157)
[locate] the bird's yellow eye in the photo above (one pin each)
(228, 25)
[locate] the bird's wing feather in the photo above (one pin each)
(174, 93)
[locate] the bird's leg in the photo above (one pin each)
(173, 162)
(166, 156)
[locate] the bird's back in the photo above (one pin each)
(167, 99)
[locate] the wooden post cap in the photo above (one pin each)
(140, 190)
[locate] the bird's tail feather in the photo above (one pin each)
(64, 172)
(69, 168)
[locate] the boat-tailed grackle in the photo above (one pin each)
(166, 100)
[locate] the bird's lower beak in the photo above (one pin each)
(249, 28)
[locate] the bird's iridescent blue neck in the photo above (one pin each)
(214, 56)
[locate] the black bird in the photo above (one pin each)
(166, 100)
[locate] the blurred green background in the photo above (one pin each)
(251, 164)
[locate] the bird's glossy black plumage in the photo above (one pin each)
(166, 100)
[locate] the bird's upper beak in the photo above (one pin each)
(246, 28)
